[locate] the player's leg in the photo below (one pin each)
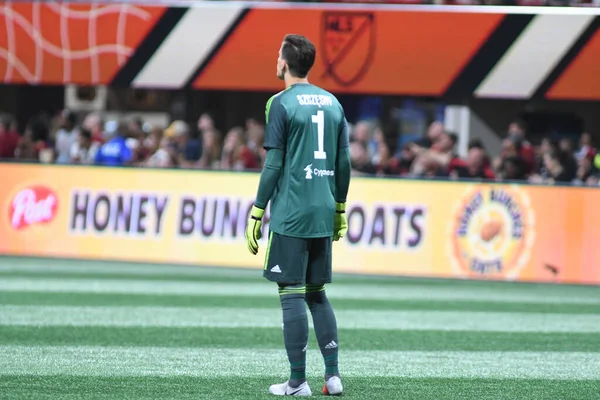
(318, 274)
(286, 265)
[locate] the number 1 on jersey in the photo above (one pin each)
(319, 119)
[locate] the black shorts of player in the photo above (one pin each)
(294, 261)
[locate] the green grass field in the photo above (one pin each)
(92, 330)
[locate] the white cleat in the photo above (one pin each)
(333, 386)
(284, 389)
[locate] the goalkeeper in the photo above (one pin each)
(306, 177)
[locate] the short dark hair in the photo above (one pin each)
(476, 143)
(299, 53)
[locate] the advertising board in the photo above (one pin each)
(396, 227)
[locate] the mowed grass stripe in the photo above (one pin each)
(123, 270)
(262, 288)
(271, 300)
(265, 318)
(59, 387)
(19, 387)
(255, 275)
(34, 266)
(207, 362)
(272, 338)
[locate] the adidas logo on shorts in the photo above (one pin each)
(276, 269)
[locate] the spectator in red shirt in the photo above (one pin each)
(517, 131)
(33, 141)
(509, 164)
(385, 163)
(435, 161)
(9, 140)
(585, 171)
(434, 134)
(586, 148)
(476, 142)
(474, 167)
(405, 159)
(95, 125)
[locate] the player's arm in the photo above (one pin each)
(275, 143)
(269, 177)
(342, 165)
(342, 182)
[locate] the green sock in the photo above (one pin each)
(325, 327)
(295, 330)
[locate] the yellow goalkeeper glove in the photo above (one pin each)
(340, 224)
(253, 229)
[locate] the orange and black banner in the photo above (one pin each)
(500, 52)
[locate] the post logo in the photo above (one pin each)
(492, 233)
(33, 205)
(308, 170)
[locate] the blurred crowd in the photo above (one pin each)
(134, 142)
(435, 156)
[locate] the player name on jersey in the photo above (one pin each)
(319, 100)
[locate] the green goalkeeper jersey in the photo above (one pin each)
(308, 124)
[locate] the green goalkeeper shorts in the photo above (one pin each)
(292, 260)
